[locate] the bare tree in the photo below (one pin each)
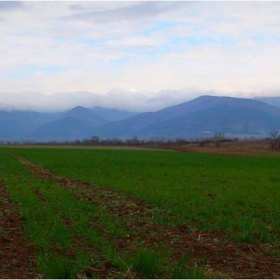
(275, 138)
(218, 138)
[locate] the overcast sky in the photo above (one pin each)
(136, 55)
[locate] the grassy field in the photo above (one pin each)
(123, 213)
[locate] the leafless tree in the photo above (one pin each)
(276, 139)
(218, 138)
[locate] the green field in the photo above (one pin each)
(237, 197)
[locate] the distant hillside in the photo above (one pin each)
(15, 125)
(77, 123)
(274, 101)
(203, 116)
(74, 124)
(200, 117)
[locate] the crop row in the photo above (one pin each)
(77, 238)
(236, 195)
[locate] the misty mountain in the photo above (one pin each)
(200, 117)
(68, 125)
(274, 101)
(15, 124)
(78, 123)
(203, 116)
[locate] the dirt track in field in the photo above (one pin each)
(210, 250)
(17, 255)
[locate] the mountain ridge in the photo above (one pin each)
(201, 117)
(139, 125)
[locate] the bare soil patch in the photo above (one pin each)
(17, 256)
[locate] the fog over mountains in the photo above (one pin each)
(115, 99)
(201, 117)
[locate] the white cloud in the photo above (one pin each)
(150, 47)
(129, 100)
(128, 12)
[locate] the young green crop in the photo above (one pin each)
(45, 207)
(238, 195)
(62, 227)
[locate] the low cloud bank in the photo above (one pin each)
(115, 99)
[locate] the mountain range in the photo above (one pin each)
(201, 117)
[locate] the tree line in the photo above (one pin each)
(217, 139)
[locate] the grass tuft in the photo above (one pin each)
(58, 267)
(150, 262)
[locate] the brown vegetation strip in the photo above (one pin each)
(17, 257)
(210, 250)
(235, 148)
